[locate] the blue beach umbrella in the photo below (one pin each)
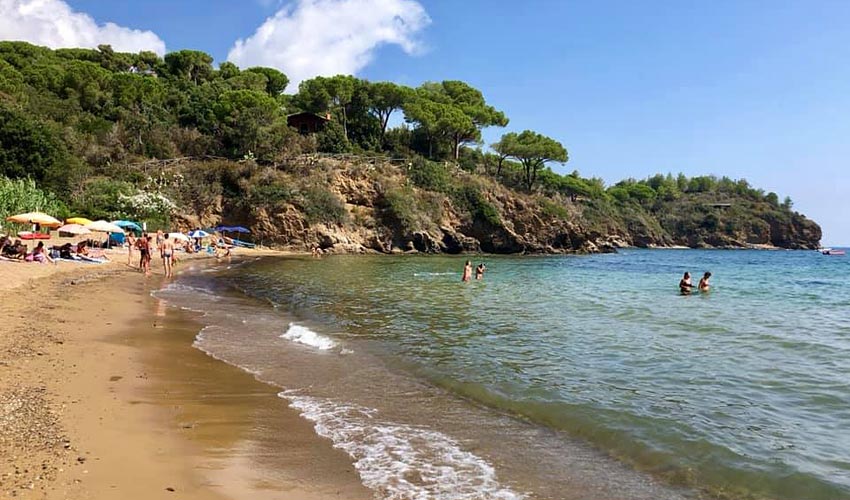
(199, 234)
(128, 224)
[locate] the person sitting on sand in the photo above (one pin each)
(467, 271)
(479, 271)
(685, 284)
(703, 283)
(82, 248)
(16, 250)
(39, 254)
(66, 251)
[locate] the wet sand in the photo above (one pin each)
(102, 396)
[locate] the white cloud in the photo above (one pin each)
(55, 24)
(330, 37)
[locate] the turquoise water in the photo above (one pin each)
(742, 391)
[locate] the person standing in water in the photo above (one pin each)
(479, 271)
(467, 271)
(703, 283)
(685, 284)
(167, 248)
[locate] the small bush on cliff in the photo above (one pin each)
(320, 205)
(410, 211)
(430, 175)
(471, 199)
(553, 209)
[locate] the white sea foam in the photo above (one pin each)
(422, 275)
(401, 462)
(304, 335)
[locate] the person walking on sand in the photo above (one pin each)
(467, 272)
(685, 284)
(131, 242)
(704, 286)
(167, 249)
(479, 271)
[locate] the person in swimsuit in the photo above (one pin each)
(40, 254)
(467, 271)
(131, 242)
(159, 241)
(703, 283)
(144, 245)
(479, 271)
(685, 284)
(167, 249)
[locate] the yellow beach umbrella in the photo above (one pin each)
(34, 218)
(78, 220)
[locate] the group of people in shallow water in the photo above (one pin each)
(467, 271)
(686, 287)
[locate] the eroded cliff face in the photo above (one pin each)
(503, 221)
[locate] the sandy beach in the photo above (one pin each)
(103, 396)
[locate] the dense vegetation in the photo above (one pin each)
(83, 126)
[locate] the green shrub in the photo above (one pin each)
(471, 199)
(553, 209)
(22, 195)
(430, 175)
(99, 198)
(320, 205)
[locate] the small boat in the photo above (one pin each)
(832, 251)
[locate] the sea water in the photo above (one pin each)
(554, 377)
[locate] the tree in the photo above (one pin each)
(192, 65)
(503, 148)
(250, 122)
(534, 151)
(276, 81)
(434, 119)
(472, 104)
(323, 94)
(27, 148)
(458, 110)
(384, 99)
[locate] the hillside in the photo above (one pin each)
(85, 132)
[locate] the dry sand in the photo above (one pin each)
(103, 397)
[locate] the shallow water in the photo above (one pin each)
(527, 383)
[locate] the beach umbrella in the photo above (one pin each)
(104, 227)
(199, 234)
(128, 224)
(74, 229)
(78, 220)
(238, 229)
(34, 218)
(178, 237)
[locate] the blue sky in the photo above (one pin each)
(752, 89)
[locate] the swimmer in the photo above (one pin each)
(685, 284)
(704, 286)
(467, 271)
(479, 271)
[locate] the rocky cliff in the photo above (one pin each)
(344, 207)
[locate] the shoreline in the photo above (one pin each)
(97, 401)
